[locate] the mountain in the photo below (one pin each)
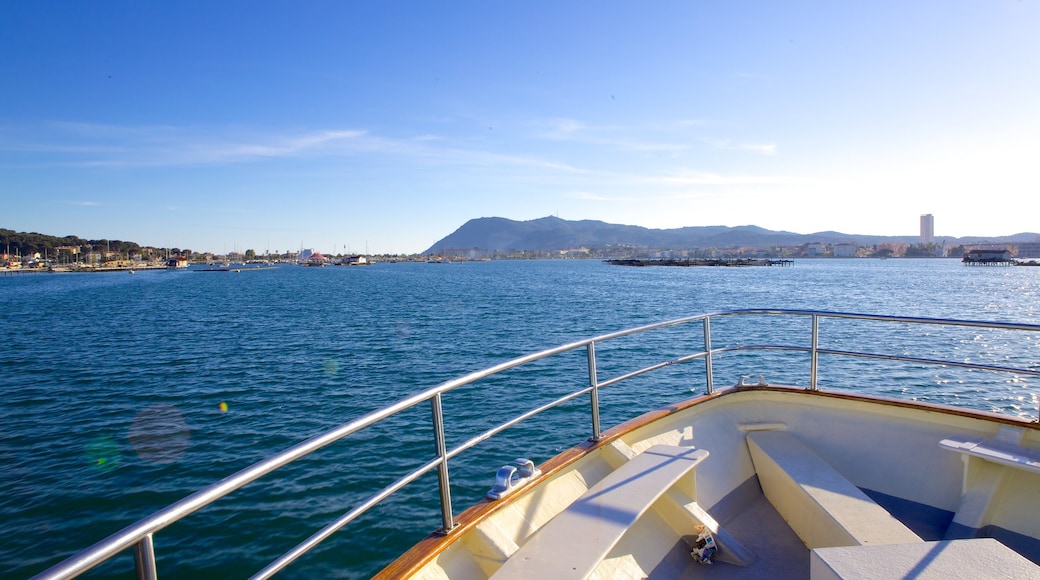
(552, 233)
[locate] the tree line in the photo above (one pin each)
(29, 243)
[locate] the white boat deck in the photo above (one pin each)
(779, 553)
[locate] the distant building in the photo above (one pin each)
(816, 249)
(464, 254)
(1029, 250)
(582, 251)
(845, 250)
(68, 250)
(176, 263)
(987, 246)
(315, 259)
(927, 228)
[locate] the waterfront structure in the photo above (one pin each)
(354, 261)
(315, 259)
(1029, 250)
(927, 228)
(845, 250)
(816, 250)
(176, 263)
(989, 258)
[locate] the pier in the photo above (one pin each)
(79, 269)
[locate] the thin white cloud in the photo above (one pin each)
(647, 196)
(764, 149)
(163, 146)
(615, 137)
(461, 156)
(84, 203)
(706, 178)
(96, 145)
(589, 196)
(565, 127)
(279, 146)
(683, 123)
(674, 137)
(574, 130)
(761, 148)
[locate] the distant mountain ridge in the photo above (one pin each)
(552, 233)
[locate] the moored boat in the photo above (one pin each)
(762, 478)
(354, 261)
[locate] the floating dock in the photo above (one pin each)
(988, 258)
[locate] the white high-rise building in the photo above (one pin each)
(927, 228)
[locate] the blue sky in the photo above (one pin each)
(341, 125)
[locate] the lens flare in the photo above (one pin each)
(104, 453)
(159, 434)
(331, 367)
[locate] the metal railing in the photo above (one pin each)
(139, 535)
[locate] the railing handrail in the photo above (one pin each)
(139, 534)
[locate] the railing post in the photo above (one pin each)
(814, 356)
(709, 382)
(447, 518)
(144, 559)
(594, 393)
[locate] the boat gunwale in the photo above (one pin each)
(432, 546)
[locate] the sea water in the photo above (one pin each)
(120, 394)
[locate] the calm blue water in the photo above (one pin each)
(122, 394)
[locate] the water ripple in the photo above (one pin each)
(125, 393)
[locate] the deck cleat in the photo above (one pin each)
(512, 477)
(745, 381)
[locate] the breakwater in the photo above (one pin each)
(712, 262)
